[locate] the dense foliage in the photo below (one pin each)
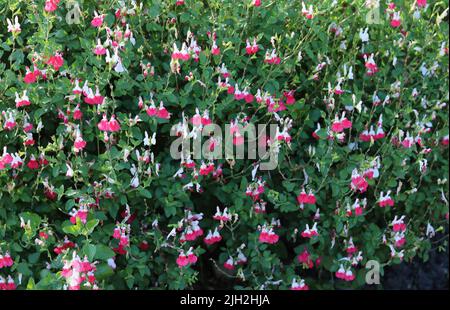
(89, 91)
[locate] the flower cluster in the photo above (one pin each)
(116, 171)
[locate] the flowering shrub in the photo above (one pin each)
(94, 93)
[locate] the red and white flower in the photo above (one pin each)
(310, 232)
(97, 21)
(370, 64)
(14, 28)
(222, 216)
(267, 235)
(341, 123)
(5, 260)
(99, 48)
(212, 238)
(56, 61)
(398, 224)
(385, 200)
(7, 285)
(215, 50)
(229, 263)
(79, 143)
(307, 12)
(272, 58)
(79, 214)
(346, 275)
(251, 49)
(51, 5)
(358, 182)
(304, 198)
(299, 286)
(23, 100)
(396, 20)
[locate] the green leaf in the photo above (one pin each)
(90, 225)
(31, 285)
(130, 282)
(89, 250)
(103, 271)
(35, 220)
(289, 186)
(322, 133)
(71, 229)
(103, 252)
(146, 193)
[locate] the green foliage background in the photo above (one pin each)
(161, 197)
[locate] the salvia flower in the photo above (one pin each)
(260, 207)
(310, 232)
(408, 141)
(79, 143)
(31, 76)
(399, 239)
(341, 123)
(272, 58)
(307, 12)
(215, 50)
(77, 89)
(212, 238)
(23, 100)
(99, 49)
(108, 126)
(229, 263)
(357, 208)
(79, 214)
(7, 285)
(241, 258)
(351, 248)
(91, 98)
(51, 5)
(14, 28)
(396, 21)
(305, 259)
(268, 236)
(79, 272)
(372, 135)
(395, 254)
(184, 260)
(256, 3)
(343, 274)
(299, 286)
(445, 140)
(180, 55)
(5, 260)
(370, 64)
(358, 182)
(304, 198)
(222, 216)
(289, 95)
(255, 189)
(431, 232)
(251, 49)
(160, 112)
(67, 244)
(364, 35)
(33, 163)
(398, 224)
(56, 61)
(97, 21)
(385, 201)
